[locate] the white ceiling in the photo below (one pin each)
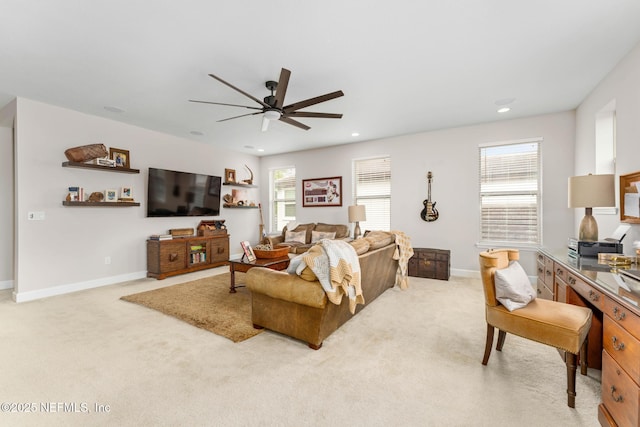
(405, 66)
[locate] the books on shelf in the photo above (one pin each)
(161, 237)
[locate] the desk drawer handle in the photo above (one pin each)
(559, 272)
(619, 316)
(540, 270)
(617, 398)
(617, 346)
(572, 281)
(173, 257)
(594, 296)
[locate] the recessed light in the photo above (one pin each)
(196, 133)
(355, 134)
(261, 149)
(504, 109)
(113, 109)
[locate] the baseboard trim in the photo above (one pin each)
(471, 274)
(75, 287)
(6, 284)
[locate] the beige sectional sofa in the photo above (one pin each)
(298, 306)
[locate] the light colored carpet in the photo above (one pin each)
(205, 303)
(411, 358)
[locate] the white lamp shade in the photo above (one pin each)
(591, 191)
(357, 213)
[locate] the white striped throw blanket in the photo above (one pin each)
(337, 267)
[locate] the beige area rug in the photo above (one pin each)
(205, 303)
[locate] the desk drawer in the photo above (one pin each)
(620, 394)
(592, 295)
(623, 347)
(623, 317)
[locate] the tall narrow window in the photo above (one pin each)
(606, 147)
(372, 188)
(510, 195)
(283, 197)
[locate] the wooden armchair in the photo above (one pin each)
(557, 324)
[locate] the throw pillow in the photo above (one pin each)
(360, 245)
(295, 236)
(513, 288)
(316, 236)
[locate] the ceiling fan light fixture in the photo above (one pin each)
(272, 114)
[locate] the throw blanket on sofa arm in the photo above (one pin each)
(403, 252)
(337, 267)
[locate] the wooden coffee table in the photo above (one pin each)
(242, 265)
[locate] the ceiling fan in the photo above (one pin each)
(273, 106)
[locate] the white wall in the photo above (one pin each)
(452, 156)
(67, 250)
(623, 85)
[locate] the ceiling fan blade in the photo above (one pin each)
(243, 115)
(222, 103)
(241, 91)
(294, 123)
(311, 114)
(281, 89)
(312, 101)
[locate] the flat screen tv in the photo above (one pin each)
(173, 193)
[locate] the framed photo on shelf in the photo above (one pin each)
(126, 193)
(121, 157)
(248, 251)
(322, 192)
(230, 175)
(110, 196)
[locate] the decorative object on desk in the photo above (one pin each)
(590, 191)
(110, 196)
(212, 228)
(96, 196)
(229, 176)
(429, 213)
(121, 157)
(250, 180)
(357, 213)
(322, 192)
(248, 251)
(86, 152)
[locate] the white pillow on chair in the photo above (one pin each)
(513, 288)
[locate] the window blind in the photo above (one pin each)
(283, 197)
(510, 199)
(372, 188)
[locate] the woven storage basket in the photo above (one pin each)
(274, 253)
(86, 152)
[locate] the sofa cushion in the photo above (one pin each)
(316, 236)
(379, 239)
(341, 230)
(295, 236)
(360, 245)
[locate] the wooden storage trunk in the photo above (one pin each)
(430, 263)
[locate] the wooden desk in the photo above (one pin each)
(614, 339)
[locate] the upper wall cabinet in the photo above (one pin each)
(630, 198)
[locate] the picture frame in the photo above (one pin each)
(110, 195)
(230, 176)
(248, 251)
(121, 157)
(126, 193)
(322, 192)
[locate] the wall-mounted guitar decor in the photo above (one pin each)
(429, 213)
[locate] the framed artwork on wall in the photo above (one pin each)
(121, 157)
(322, 192)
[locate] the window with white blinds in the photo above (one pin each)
(372, 188)
(510, 193)
(283, 197)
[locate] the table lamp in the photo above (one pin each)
(587, 192)
(357, 213)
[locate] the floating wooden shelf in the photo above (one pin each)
(237, 184)
(98, 167)
(240, 207)
(101, 204)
